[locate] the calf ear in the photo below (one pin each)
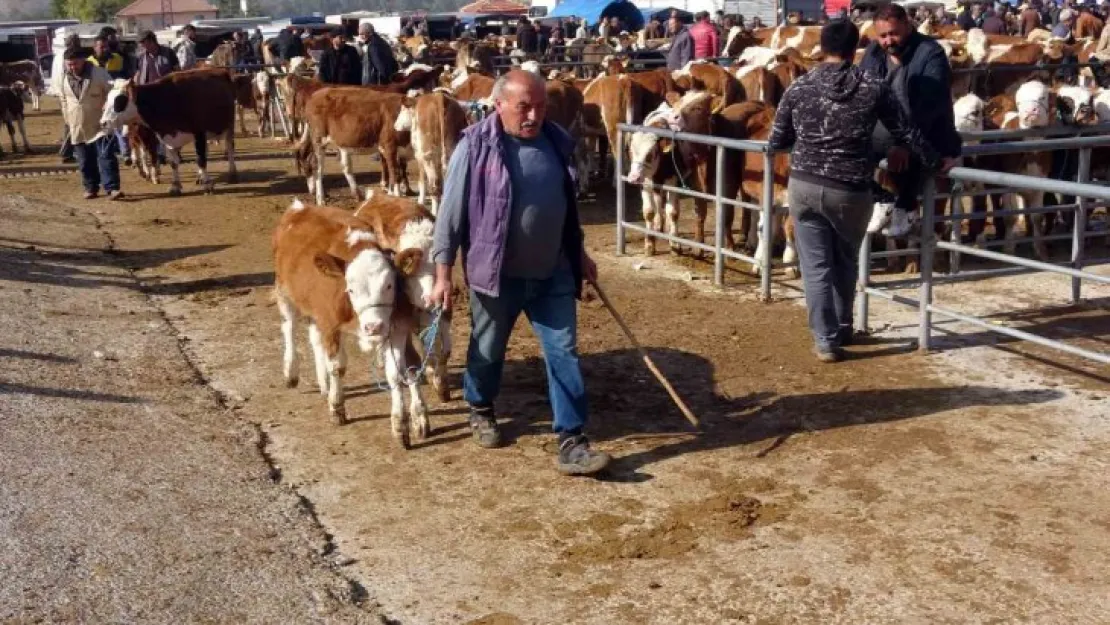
(329, 265)
(408, 261)
(673, 97)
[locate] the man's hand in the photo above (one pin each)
(947, 163)
(897, 159)
(441, 292)
(589, 268)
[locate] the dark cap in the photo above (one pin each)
(147, 35)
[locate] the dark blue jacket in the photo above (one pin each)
(927, 89)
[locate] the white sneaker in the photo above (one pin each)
(880, 216)
(899, 224)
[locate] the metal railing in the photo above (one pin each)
(766, 207)
(929, 242)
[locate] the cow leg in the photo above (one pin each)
(333, 351)
(1035, 199)
(153, 167)
(672, 212)
(11, 133)
(36, 99)
(241, 113)
(200, 143)
(581, 161)
(23, 134)
(757, 268)
(291, 364)
(319, 175)
(319, 357)
(422, 181)
(394, 372)
(1011, 223)
(790, 254)
(348, 173)
(174, 156)
(651, 217)
(229, 151)
(701, 211)
(419, 427)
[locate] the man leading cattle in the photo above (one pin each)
(917, 70)
(509, 189)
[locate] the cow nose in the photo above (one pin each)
(373, 328)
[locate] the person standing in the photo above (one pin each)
(510, 187)
(378, 63)
(682, 48)
(704, 36)
(1030, 19)
(994, 24)
(341, 64)
(256, 41)
(653, 30)
(827, 117)
(581, 32)
(111, 62)
(1063, 28)
(526, 40)
(57, 81)
(84, 91)
(154, 60)
(186, 47)
(917, 71)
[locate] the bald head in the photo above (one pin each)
(521, 101)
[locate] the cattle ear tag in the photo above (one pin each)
(330, 265)
(408, 261)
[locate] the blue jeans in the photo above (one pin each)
(124, 146)
(98, 164)
(550, 306)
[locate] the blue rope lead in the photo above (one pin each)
(415, 374)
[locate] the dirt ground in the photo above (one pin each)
(963, 486)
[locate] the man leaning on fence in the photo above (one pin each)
(508, 204)
(827, 117)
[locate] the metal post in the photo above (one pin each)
(620, 192)
(928, 247)
(862, 282)
(719, 234)
(767, 231)
(1079, 228)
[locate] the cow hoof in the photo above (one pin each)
(421, 430)
(911, 267)
(292, 382)
(175, 191)
(406, 441)
(339, 415)
(792, 273)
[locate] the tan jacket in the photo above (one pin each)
(83, 114)
(1102, 50)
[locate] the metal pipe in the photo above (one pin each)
(767, 231)
(1025, 262)
(732, 144)
(1045, 131)
(1079, 228)
(1047, 185)
(928, 246)
(618, 179)
(1010, 212)
(719, 234)
(1036, 145)
(1021, 335)
(863, 281)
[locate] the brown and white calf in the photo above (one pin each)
(407, 229)
(144, 151)
(182, 107)
(330, 271)
(350, 119)
(11, 113)
(28, 74)
(435, 121)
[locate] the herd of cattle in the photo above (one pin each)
(370, 273)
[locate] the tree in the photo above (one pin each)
(228, 8)
(90, 10)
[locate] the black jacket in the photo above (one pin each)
(828, 116)
(341, 67)
(925, 84)
(379, 64)
(526, 40)
(289, 45)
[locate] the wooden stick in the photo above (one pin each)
(647, 359)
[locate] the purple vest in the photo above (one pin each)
(490, 201)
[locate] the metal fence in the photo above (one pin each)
(929, 243)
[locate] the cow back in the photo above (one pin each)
(354, 117)
(193, 101)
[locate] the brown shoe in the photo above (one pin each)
(90, 195)
(115, 195)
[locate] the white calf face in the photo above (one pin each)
(1102, 105)
(405, 117)
(371, 286)
(644, 150)
(119, 110)
(415, 261)
(1075, 106)
(968, 112)
(1032, 104)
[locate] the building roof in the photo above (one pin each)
(494, 6)
(154, 7)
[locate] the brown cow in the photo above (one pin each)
(608, 101)
(330, 270)
(182, 106)
(11, 113)
(701, 76)
(296, 90)
(435, 121)
(27, 72)
(349, 118)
